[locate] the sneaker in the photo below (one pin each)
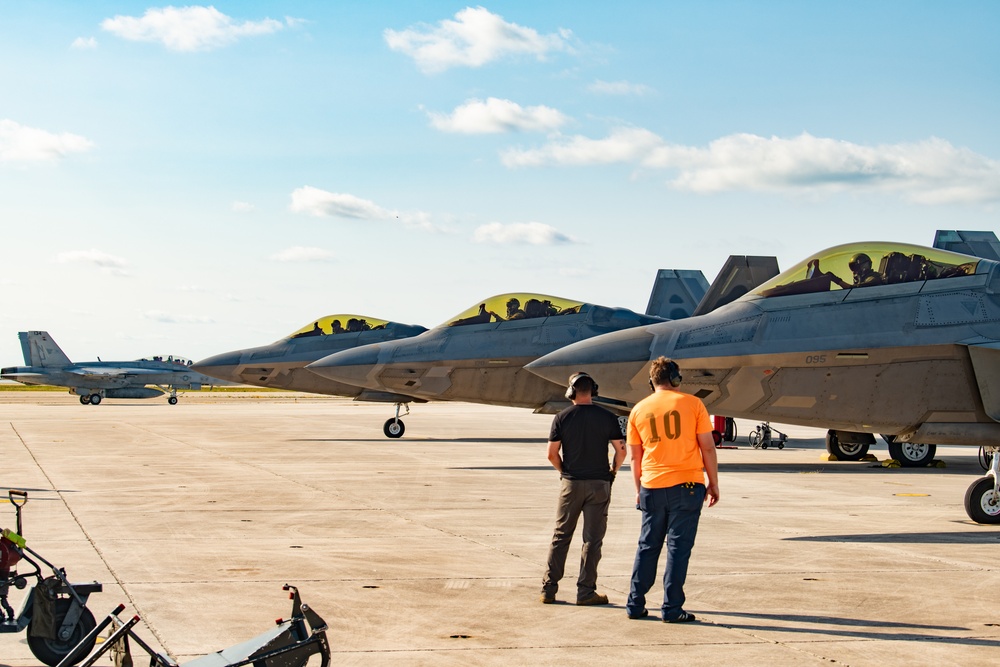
(596, 598)
(639, 614)
(546, 598)
(683, 617)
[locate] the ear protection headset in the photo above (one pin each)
(573, 379)
(673, 375)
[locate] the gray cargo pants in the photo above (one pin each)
(590, 497)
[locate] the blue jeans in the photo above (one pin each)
(670, 514)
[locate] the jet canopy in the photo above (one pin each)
(170, 359)
(516, 306)
(339, 324)
(858, 265)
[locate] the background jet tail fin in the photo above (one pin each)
(39, 349)
(739, 275)
(676, 293)
(977, 244)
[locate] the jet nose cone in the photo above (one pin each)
(222, 366)
(613, 360)
(351, 367)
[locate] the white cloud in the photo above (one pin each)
(302, 254)
(107, 263)
(84, 43)
(495, 115)
(931, 171)
(242, 207)
(190, 28)
(531, 233)
(321, 204)
(20, 143)
(476, 37)
(619, 88)
(167, 318)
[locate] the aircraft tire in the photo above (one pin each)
(95, 399)
(982, 503)
(910, 454)
(393, 428)
(172, 400)
(844, 451)
(84, 400)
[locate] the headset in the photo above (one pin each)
(573, 379)
(673, 375)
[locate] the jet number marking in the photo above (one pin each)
(816, 359)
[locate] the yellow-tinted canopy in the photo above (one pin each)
(515, 306)
(338, 324)
(858, 265)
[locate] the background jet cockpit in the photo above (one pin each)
(339, 324)
(169, 359)
(516, 306)
(859, 265)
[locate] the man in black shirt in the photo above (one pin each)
(578, 449)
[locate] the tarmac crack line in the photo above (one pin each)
(87, 535)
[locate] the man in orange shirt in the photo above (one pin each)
(670, 437)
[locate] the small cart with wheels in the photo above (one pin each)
(763, 437)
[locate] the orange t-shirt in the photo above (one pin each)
(667, 425)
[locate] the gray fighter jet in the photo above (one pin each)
(478, 356)
(94, 381)
(281, 364)
(868, 338)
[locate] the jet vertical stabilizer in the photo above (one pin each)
(739, 275)
(676, 293)
(977, 244)
(40, 350)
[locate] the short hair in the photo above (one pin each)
(583, 383)
(660, 371)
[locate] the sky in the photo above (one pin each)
(194, 179)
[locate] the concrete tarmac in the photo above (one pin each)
(429, 550)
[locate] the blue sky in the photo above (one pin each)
(192, 179)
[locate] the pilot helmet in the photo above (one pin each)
(860, 261)
(513, 303)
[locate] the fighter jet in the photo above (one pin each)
(281, 364)
(94, 381)
(478, 356)
(865, 338)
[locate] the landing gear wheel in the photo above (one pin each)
(85, 400)
(982, 503)
(984, 458)
(95, 399)
(910, 454)
(393, 428)
(844, 451)
(52, 651)
(172, 400)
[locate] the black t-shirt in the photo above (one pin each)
(584, 431)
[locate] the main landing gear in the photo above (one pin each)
(92, 399)
(394, 427)
(982, 498)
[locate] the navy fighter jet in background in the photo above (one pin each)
(478, 356)
(866, 338)
(281, 365)
(93, 381)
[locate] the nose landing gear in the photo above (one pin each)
(394, 428)
(982, 498)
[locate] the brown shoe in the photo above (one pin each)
(546, 598)
(596, 598)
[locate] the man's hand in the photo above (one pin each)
(712, 494)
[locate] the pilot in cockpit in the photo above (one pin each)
(861, 267)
